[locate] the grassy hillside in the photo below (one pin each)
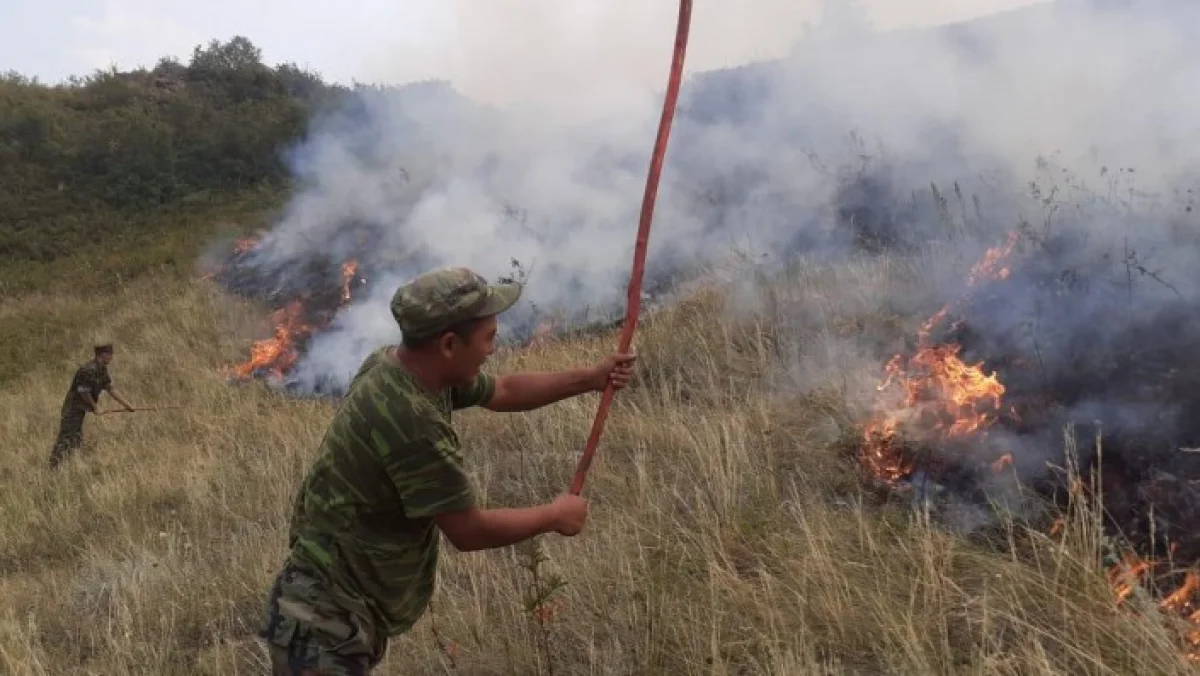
(121, 175)
(726, 535)
(84, 287)
(728, 532)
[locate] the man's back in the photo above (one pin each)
(389, 460)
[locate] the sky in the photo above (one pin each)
(470, 42)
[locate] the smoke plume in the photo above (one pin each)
(850, 143)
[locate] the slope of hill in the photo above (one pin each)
(727, 533)
(740, 520)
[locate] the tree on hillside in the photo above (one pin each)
(74, 157)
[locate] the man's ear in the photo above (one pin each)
(446, 344)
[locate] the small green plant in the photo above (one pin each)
(541, 599)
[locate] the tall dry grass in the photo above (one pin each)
(727, 533)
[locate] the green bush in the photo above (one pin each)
(83, 162)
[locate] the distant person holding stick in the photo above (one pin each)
(90, 380)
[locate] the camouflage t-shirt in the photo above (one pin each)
(91, 378)
(388, 463)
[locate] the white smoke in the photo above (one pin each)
(550, 171)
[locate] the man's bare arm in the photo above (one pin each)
(112, 392)
(87, 399)
(473, 529)
(527, 391)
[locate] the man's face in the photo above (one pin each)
(104, 358)
(465, 355)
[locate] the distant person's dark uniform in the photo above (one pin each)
(90, 380)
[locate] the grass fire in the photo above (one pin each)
(298, 315)
(943, 399)
(939, 416)
(916, 388)
(939, 419)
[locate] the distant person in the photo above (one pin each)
(389, 476)
(90, 380)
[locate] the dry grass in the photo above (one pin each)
(727, 535)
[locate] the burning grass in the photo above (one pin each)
(727, 535)
(298, 313)
(946, 412)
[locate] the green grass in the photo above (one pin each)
(51, 309)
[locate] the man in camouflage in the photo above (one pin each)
(90, 380)
(389, 477)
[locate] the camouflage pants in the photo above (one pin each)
(308, 634)
(70, 436)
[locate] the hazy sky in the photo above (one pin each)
(473, 42)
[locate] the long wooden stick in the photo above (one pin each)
(634, 298)
(138, 409)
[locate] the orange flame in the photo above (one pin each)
(1180, 599)
(991, 265)
(276, 355)
(943, 397)
(1132, 570)
(1126, 575)
(1002, 462)
(349, 269)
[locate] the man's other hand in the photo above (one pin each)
(570, 512)
(617, 369)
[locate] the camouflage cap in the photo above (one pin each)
(437, 300)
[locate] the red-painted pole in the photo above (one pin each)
(634, 302)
